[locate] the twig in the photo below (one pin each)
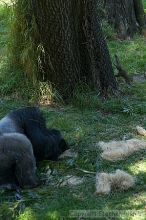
(86, 171)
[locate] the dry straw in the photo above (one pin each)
(118, 150)
(141, 130)
(121, 180)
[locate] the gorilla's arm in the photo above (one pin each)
(18, 165)
(25, 173)
(25, 169)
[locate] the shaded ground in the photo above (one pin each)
(139, 77)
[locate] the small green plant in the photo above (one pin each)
(128, 110)
(6, 212)
(27, 214)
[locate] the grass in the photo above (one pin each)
(131, 53)
(83, 129)
(88, 121)
(144, 3)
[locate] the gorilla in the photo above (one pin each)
(48, 144)
(17, 162)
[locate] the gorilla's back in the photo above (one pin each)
(7, 125)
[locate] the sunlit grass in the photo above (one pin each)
(138, 167)
(144, 3)
(132, 54)
(3, 2)
(28, 214)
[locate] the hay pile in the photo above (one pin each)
(141, 130)
(114, 151)
(105, 182)
(118, 150)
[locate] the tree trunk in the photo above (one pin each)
(127, 16)
(69, 42)
(140, 15)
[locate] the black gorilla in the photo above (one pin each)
(47, 143)
(17, 162)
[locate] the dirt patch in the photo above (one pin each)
(140, 77)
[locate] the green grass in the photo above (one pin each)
(144, 3)
(83, 129)
(88, 121)
(12, 75)
(131, 53)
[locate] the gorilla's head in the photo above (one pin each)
(49, 144)
(56, 145)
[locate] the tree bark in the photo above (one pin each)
(140, 15)
(127, 17)
(70, 45)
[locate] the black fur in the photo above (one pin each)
(47, 143)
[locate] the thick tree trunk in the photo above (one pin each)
(139, 12)
(70, 45)
(127, 16)
(97, 48)
(140, 15)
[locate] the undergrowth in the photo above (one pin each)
(15, 83)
